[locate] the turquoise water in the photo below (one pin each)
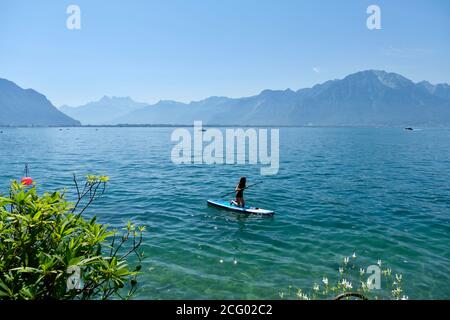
(383, 193)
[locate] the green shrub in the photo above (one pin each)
(45, 244)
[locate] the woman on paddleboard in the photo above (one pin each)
(240, 192)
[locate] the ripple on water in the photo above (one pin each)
(375, 191)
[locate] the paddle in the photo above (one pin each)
(252, 185)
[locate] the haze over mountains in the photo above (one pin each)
(104, 111)
(368, 98)
(365, 98)
(26, 107)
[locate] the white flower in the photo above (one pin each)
(325, 281)
(397, 291)
(354, 255)
(398, 277)
(379, 263)
(316, 287)
(404, 297)
(346, 284)
(281, 294)
(361, 271)
(341, 270)
(305, 297)
(346, 259)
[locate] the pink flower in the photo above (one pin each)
(26, 181)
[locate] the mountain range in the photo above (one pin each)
(27, 107)
(104, 111)
(367, 98)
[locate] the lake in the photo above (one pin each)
(383, 193)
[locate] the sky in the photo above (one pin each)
(189, 50)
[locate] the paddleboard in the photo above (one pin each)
(226, 204)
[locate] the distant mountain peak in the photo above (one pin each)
(270, 92)
(27, 107)
(7, 83)
(388, 79)
(104, 99)
(104, 110)
(427, 86)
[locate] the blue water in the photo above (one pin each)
(383, 193)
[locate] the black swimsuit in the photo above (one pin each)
(240, 193)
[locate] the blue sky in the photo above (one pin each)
(189, 50)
